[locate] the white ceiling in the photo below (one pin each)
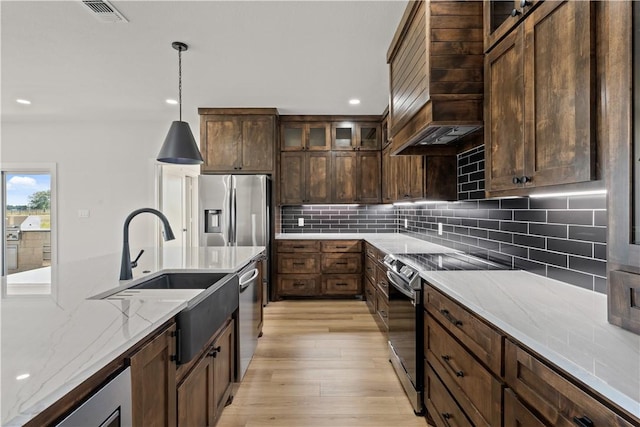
(302, 57)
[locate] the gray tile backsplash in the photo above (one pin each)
(562, 238)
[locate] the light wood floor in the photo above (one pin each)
(320, 363)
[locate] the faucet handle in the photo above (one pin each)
(134, 263)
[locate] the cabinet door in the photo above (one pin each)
(440, 178)
(501, 16)
(504, 113)
(401, 174)
(153, 381)
(221, 139)
(368, 177)
(368, 136)
(344, 178)
(516, 414)
(343, 136)
(318, 136)
(195, 397)
(318, 177)
(416, 176)
(293, 137)
(258, 134)
(223, 356)
(559, 70)
(388, 177)
(292, 178)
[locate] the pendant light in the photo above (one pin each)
(179, 145)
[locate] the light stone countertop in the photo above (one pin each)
(61, 339)
(564, 323)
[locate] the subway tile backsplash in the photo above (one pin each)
(563, 238)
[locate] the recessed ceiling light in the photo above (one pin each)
(23, 101)
(171, 102)
(354, 101)
(22, 377)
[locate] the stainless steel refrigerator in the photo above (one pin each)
(234, 211)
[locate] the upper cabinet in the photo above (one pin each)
(238, 140)
(436, 82)
(501, 16)
(623, 168)
(540, 100)
(355, 136)
(298, 136)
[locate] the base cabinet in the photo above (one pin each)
(309, 268)
(376, 287)
(153, 381)
(206, 389)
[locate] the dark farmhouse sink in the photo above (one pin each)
(204, 314)
(181, 281)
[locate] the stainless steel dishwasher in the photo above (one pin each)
(248, 316)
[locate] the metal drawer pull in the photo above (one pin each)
(341, 247)
(446, 417)
(450, 318)
(583, 421)
(383, 313)
(298, 263)
(298, 284)
(299, 247)
(342, 284)
(341, 263)
(447, 360)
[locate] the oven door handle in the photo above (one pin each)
(401, 288)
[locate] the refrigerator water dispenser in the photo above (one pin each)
(212, 220)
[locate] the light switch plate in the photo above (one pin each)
(406, 223)
(439, 229)
(300, 222)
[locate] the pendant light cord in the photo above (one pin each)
(180, 81)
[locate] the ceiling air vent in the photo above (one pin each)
(104, 11)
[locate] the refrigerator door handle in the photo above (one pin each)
(233, 237)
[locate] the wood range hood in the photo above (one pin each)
(436, 77)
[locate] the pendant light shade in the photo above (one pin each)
(180, 146)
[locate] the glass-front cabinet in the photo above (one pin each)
(299, 136)
(501, 16)
(356, 136)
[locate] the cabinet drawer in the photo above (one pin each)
(370, 268)
(553, 397)
(383, 282)
(372, 251)
(296, 263)
(443, 408)
(298, 285)
(382, 308)
(341, 284)
(370, 296)
(341, 246)
(341, 263)
(298, 246)
(477, 392)
(483, 341)
(516, 414)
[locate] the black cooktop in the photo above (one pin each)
(450, 262)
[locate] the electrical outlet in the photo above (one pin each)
(406, 223)
(300, 222)
(83, 213)
(439, 229)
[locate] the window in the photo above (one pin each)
(29, 225)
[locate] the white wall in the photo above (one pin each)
(108, 168)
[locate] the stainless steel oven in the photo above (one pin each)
(406, 329)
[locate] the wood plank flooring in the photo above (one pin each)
(320, 363)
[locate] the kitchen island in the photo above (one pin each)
(53, 343)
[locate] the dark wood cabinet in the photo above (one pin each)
(555, 398)
(305, 177)
(501, 16)
(153, 381)
(299, 136)
(540, 100)
(376, 287)
(319, 268)
(356, 177)
(518, 415)
(206, 389)
(238, 140)
(441, 406)
(623, 164)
